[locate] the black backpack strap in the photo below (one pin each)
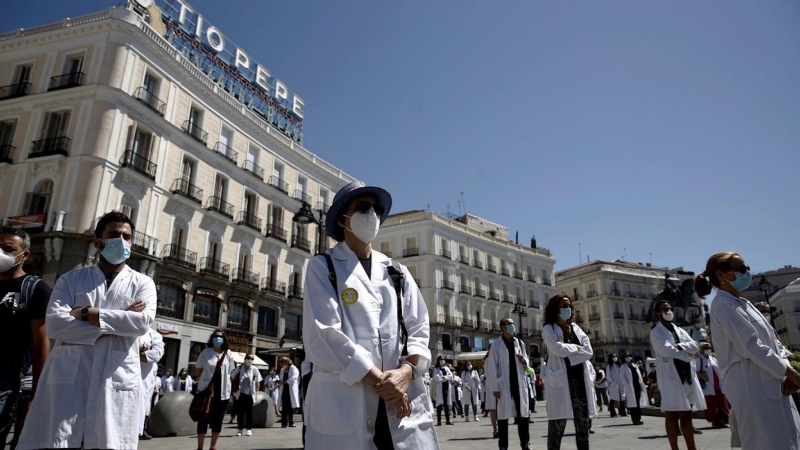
(331, 273)
(26, 291)
(399, 280)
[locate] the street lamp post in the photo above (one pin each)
(305, 216)
(519, 310)
(765, 286)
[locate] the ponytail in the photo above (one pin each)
(702, 285)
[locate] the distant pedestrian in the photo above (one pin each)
(289, 383)
(635, 389)
(249, 383)
(272, 388)
(151, 349)
(616, 390)
(569, 379)
(601, 388)
(471, 385)
(207, 373)
(717, 410)
(505, 379)
(680, 390)
(184, 381)
(167, 383)
(444, 390)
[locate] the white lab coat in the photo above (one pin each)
(498, 379)
(293, 384)
(630, 393)
(207, 360)
(187, 387)
(426, 378)
(674, 396)
(167, 385)
(455, 386)
(246, 377)
(471, 382)
(89, 388)
(707, 366)
(273, 389)
(440, 377)
(345, 340)
(616, 390)
(149, 369)
(554, 375)
(751, 365)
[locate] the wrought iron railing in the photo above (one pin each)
(144, 243)
(249, 220)
(226, 152)
(301, 243)
(215, 268)
(480, 293)
(267, 330)
(139, 164)
(150, 100)
(14, 90)
(295, 291)
(245, 278)
(219, 205)
(253, 169)
(275, 231)
(66, 80)
(299, 194)
(179, 256)
(449, 285)
(413, 251)
(279, 184)
(273, 286)
(194, 130)
(463, 259)
(58, 145)
(183, 187)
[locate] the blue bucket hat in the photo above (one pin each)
(342, 200)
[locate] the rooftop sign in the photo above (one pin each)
(228, 65)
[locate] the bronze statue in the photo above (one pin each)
(681, 298)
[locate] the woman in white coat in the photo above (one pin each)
(183, 382)
(680, 390)
(367, 343)
(616, 390)
(471, 382)
(635, 389)
(206, 371)
(717, 412)
(751, 362)
(289, 391)
(443, 378)
(568, 376)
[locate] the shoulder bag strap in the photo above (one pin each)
(219, 366)
(399, 280)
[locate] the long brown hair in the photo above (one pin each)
(554, 307)
(718, 261)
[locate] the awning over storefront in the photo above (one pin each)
(470, 356)
(238, 357)
(279, 351)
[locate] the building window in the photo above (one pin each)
(322, 203)
(7, 128)
(206, 310)
(293, 326)
(250, 204)
(55, 125)
(447, 343)
(22, 74)
(140, 142)
(277, 172)
(195, 117)
(73, 65)
(171, 300)
(38, 202)
(188, 170)
(128, 207)
(151, 84)
(266, 322)
(239, 315)
(179, 234)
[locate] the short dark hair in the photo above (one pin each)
(112, 217)
(224, 339)
(20, 233)
(504, 321)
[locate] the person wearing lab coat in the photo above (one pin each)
(752, 365)
(288, 390)
(635, 389)
(443, 378)
(616, 391)
(167, 383)
(471, 382)
(366, 391)
(717, 410)
(206, 372)
(677, 381)
(455, 386)
(151, 349)
(184, 381)
(569, 375)
(88, 394)
(506, 381)
(273, 389)
(426, 378)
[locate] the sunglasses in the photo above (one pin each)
(666, 309)
(364, 206)
(741, 269)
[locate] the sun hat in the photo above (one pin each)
(342, 200)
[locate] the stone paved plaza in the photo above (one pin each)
(611, 434)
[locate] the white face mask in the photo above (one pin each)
(8, 261)
(365, 226)
(668, 316)
(707, 352)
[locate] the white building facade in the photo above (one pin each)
(612, 301)
(786, 315)
(126, 109)
(471, 277)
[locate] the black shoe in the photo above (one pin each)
(439, 423)
(145, 437)
(534, 410)
(638, 422)
(530, 420)
(591, 430)
(696, 431)
(496, 435)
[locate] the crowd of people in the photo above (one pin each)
(366, 381)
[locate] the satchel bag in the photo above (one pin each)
(201, 403)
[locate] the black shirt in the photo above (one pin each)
(366, 263)
(576, 371)
(512, 367)
(15, 321)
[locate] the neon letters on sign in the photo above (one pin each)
(231, 68)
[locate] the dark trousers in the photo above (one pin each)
(522, 431)
(383, 436)
(244, 418)
(555, 428)
(287, 414)
(215, 416)
(636, 413)
(620, 404)
(306, 380)
(439, 413)
(458, 407)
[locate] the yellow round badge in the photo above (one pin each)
(349, 296)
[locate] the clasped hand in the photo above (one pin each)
(790, 382)
(392, 388)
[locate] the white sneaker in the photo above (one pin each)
(466, 419)
(239, 433)
(477, 419)
(249, 432)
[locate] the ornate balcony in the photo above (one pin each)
(302, 196)
(478, 264)
(463, 259)
(413, 251)
(245, 278)
(480, 293)
(150, 100)
(496, 296)
(215, 268)
(446, 254)
(139, 164)
(179, 256)
(52, 146)
(220, 206)
(505, 271)
(450, 286)
(492, 268)
(465, 289)
(182, 187)
(295, 292)
(226, 152)
(279, 184)
(249, 220)
(14, 90)
(143, 243)
(194, 130)
(518, 274)
(276, 232)
(65, 81)
(301, 243)
(273, 286)
(253, 169)
(267, 330)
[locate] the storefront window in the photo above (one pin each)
(239, 316)
(206, 311)
(171, 300)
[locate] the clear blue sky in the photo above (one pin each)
(664, 127)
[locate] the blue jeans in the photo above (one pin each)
(8, 410)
